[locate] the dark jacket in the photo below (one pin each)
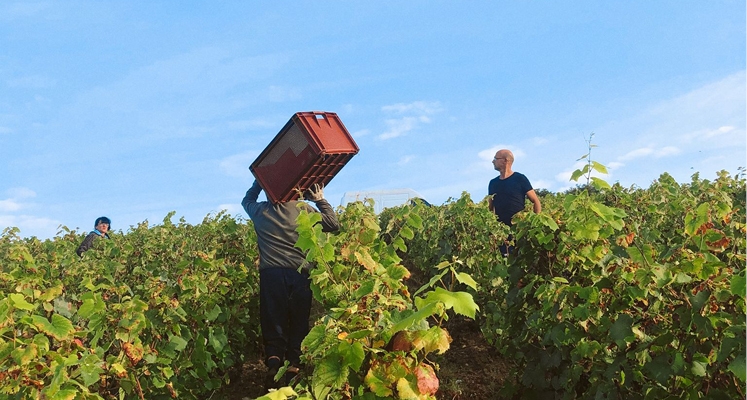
(88, 241)
(275, 225)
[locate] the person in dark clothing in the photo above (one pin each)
(509, 191)
(284, 286)
(101, 229)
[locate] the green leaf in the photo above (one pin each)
(284, 393)
(178, 343)
(578, 173)
(737, 285)
(91, 306)
(622, 330)
(213, 314)
(461, 302)
(678, 365)
(738, 367)
(352, 354)
(218, 339)
(548, 221)
(424, 311)
(407, 233)
(331, 372)
(699, 300)
(599, 167)
(694, 221)
(659, 369)
(65, 394)
(466, 279)
(90, 369)
(366, 288)
(698, 368)
(20, 302)
(397, 272)
(60, 327)
(315, 337)
(415, 221)
(599, 184)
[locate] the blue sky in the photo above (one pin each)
(135, 109)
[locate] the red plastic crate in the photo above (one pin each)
(311, 148)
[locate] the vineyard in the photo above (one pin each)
(610, 293)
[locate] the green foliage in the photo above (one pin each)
(375, 339)
(160, 312)
(611, 292)
(627, 294)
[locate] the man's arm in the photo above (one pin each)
(329, 218)
(535, 200)
(250, 199)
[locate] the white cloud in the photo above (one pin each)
(649, 152)
(666, 151)
(720, 131)
(398, 127)
(417, 107)
(233, 209)
(29, 225)
(21, 192)
(237, 165)
(405, 160)
(361, 133)
(15, 201)
(9, 205)
(542, 184)
(637, 153)
(489, 153)
(413, 115)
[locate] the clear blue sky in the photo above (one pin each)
(133, 109)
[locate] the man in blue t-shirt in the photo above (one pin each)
(509, 191)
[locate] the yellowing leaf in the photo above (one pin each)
(407, 390)
(20, 302)
(366, 261)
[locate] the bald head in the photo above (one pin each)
(502, 162)
(505, 153)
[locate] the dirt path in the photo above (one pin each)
(471, 369)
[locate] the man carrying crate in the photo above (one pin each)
(284, 292)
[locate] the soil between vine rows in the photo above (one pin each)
(470, 369)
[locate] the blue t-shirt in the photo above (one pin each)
(509, 195)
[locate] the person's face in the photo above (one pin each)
(499, 161)
(102, 227)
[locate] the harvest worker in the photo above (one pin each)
(100, 229)
(284, 290)
(509, 190)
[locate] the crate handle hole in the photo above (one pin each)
(320, 116)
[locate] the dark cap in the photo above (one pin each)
(104, 220)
